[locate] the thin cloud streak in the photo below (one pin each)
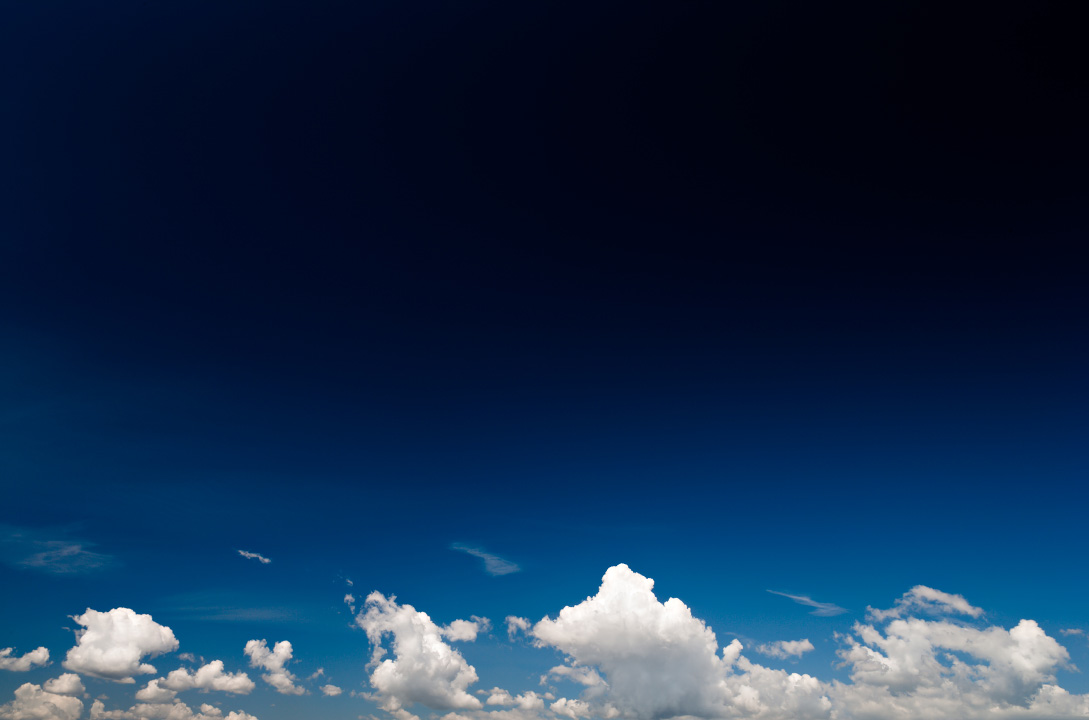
(37, 550)
(822, 609)
(254, 556)
(493, 564)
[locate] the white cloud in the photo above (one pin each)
(820, 609)
(493, 564)
(331, 690)
(466, 630)
(927, 600)
(165, 711)
(33, 703)
(8, 661)
(581, 675)
(66, 684)
(153, 692)
(424, 669)
(208, 677)
(785, 648)
(254, 556)
(112, 644)
(273, 661)
(573, 709)
(517, 624)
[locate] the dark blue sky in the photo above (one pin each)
(781, 298)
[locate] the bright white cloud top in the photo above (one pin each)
(274, 661)
(112, 644)
(34, 658)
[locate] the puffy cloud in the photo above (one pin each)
(493, 564)
(785, 648)
(33, 703)
(8, 661)
(273, 661)
(581, 675)
(424, 669)
(573, 709)
(209, 677)
(153, 692)
(516, 625)
(254, 556)
(466, 630)
(112, 644)
(165, 711)
(927, 600)
(66, 684)
(331, 690)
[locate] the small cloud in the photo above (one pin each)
(331, 690)
(783, 649)
(493, 564)
(254, 556)
(515, 625)
(821, 609)
(317, 674)
(927, 600)
(1073, 631)
(49, 551)
(34, 658)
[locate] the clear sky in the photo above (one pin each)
(334, 324)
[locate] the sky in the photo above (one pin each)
(532, 361)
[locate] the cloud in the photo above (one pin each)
(1072, 631)
(273, 661)
(165, 711)
(66, 684)
(331, 690)
(33, 703)
(49, 551)
(785, 648)
(40, 656)
(112, 644)
(493, 564)
(254, 556)
(154, 692)
(466, 630)
(927, 600)
(657, 660)
(516, 625)
(208, 677)
(581, 675)
(821, 609)
(423, 669)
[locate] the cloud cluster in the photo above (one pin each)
(785, 648)
(274, 661)
(8, 661)
(112, 644)
(208, 677)
(165, 711)
(32, 702)
(424, 668)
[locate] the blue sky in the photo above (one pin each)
(500, 313)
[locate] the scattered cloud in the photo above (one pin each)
(516, 625)
(208, 677)
(176, 710)
(50, 551)
(33, 703)
(929, 601)
(821, 609)
(34, 658)
(466, 630)
(66, 684)
(254, 556)
(331, 690)
(112, 644)
(783, 649)
(274, 661)
(1073, 631)
(423, 669)
(493, 564)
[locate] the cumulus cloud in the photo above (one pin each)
(154, 692)
(423, 669)
(331, 690)
(922, 599)
(165, 711)
(8, 661)
(66, 684)
(785, 648)
(254, 556)
(112, 644)
(820, 609)
(208, 677)
(466, 630)
(516, 625)
(274, 661)
(581, 675)
(33, 703)
(493, 564)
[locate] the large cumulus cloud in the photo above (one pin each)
(112, 644)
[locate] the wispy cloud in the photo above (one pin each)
(49, 551)
(821, 609)
(254, 556)
(493, 564)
